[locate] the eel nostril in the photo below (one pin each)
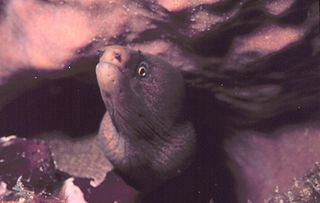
(117, 56)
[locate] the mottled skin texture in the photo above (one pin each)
(144, 133)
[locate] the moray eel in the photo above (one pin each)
(145, 132)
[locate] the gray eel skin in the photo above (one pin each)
(144, 133)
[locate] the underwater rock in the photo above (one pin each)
(29, 159)
(27, 173)
(113, 189)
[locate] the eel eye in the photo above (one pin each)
(143, 69)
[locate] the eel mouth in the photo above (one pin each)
(109, 77)
(111, 69)
(108, 65)
(111, 80)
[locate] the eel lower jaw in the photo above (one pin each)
(109, 78)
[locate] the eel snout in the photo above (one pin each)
(115, 55)
(110, 67)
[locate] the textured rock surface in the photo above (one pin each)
(238, 49)
(28, 174)
(30, 160)
(78, 157)
(303, 190)
(276, 164)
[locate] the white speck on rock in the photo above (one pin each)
(97, 181)
(3, 189)
(71, 193)
(7, 141)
